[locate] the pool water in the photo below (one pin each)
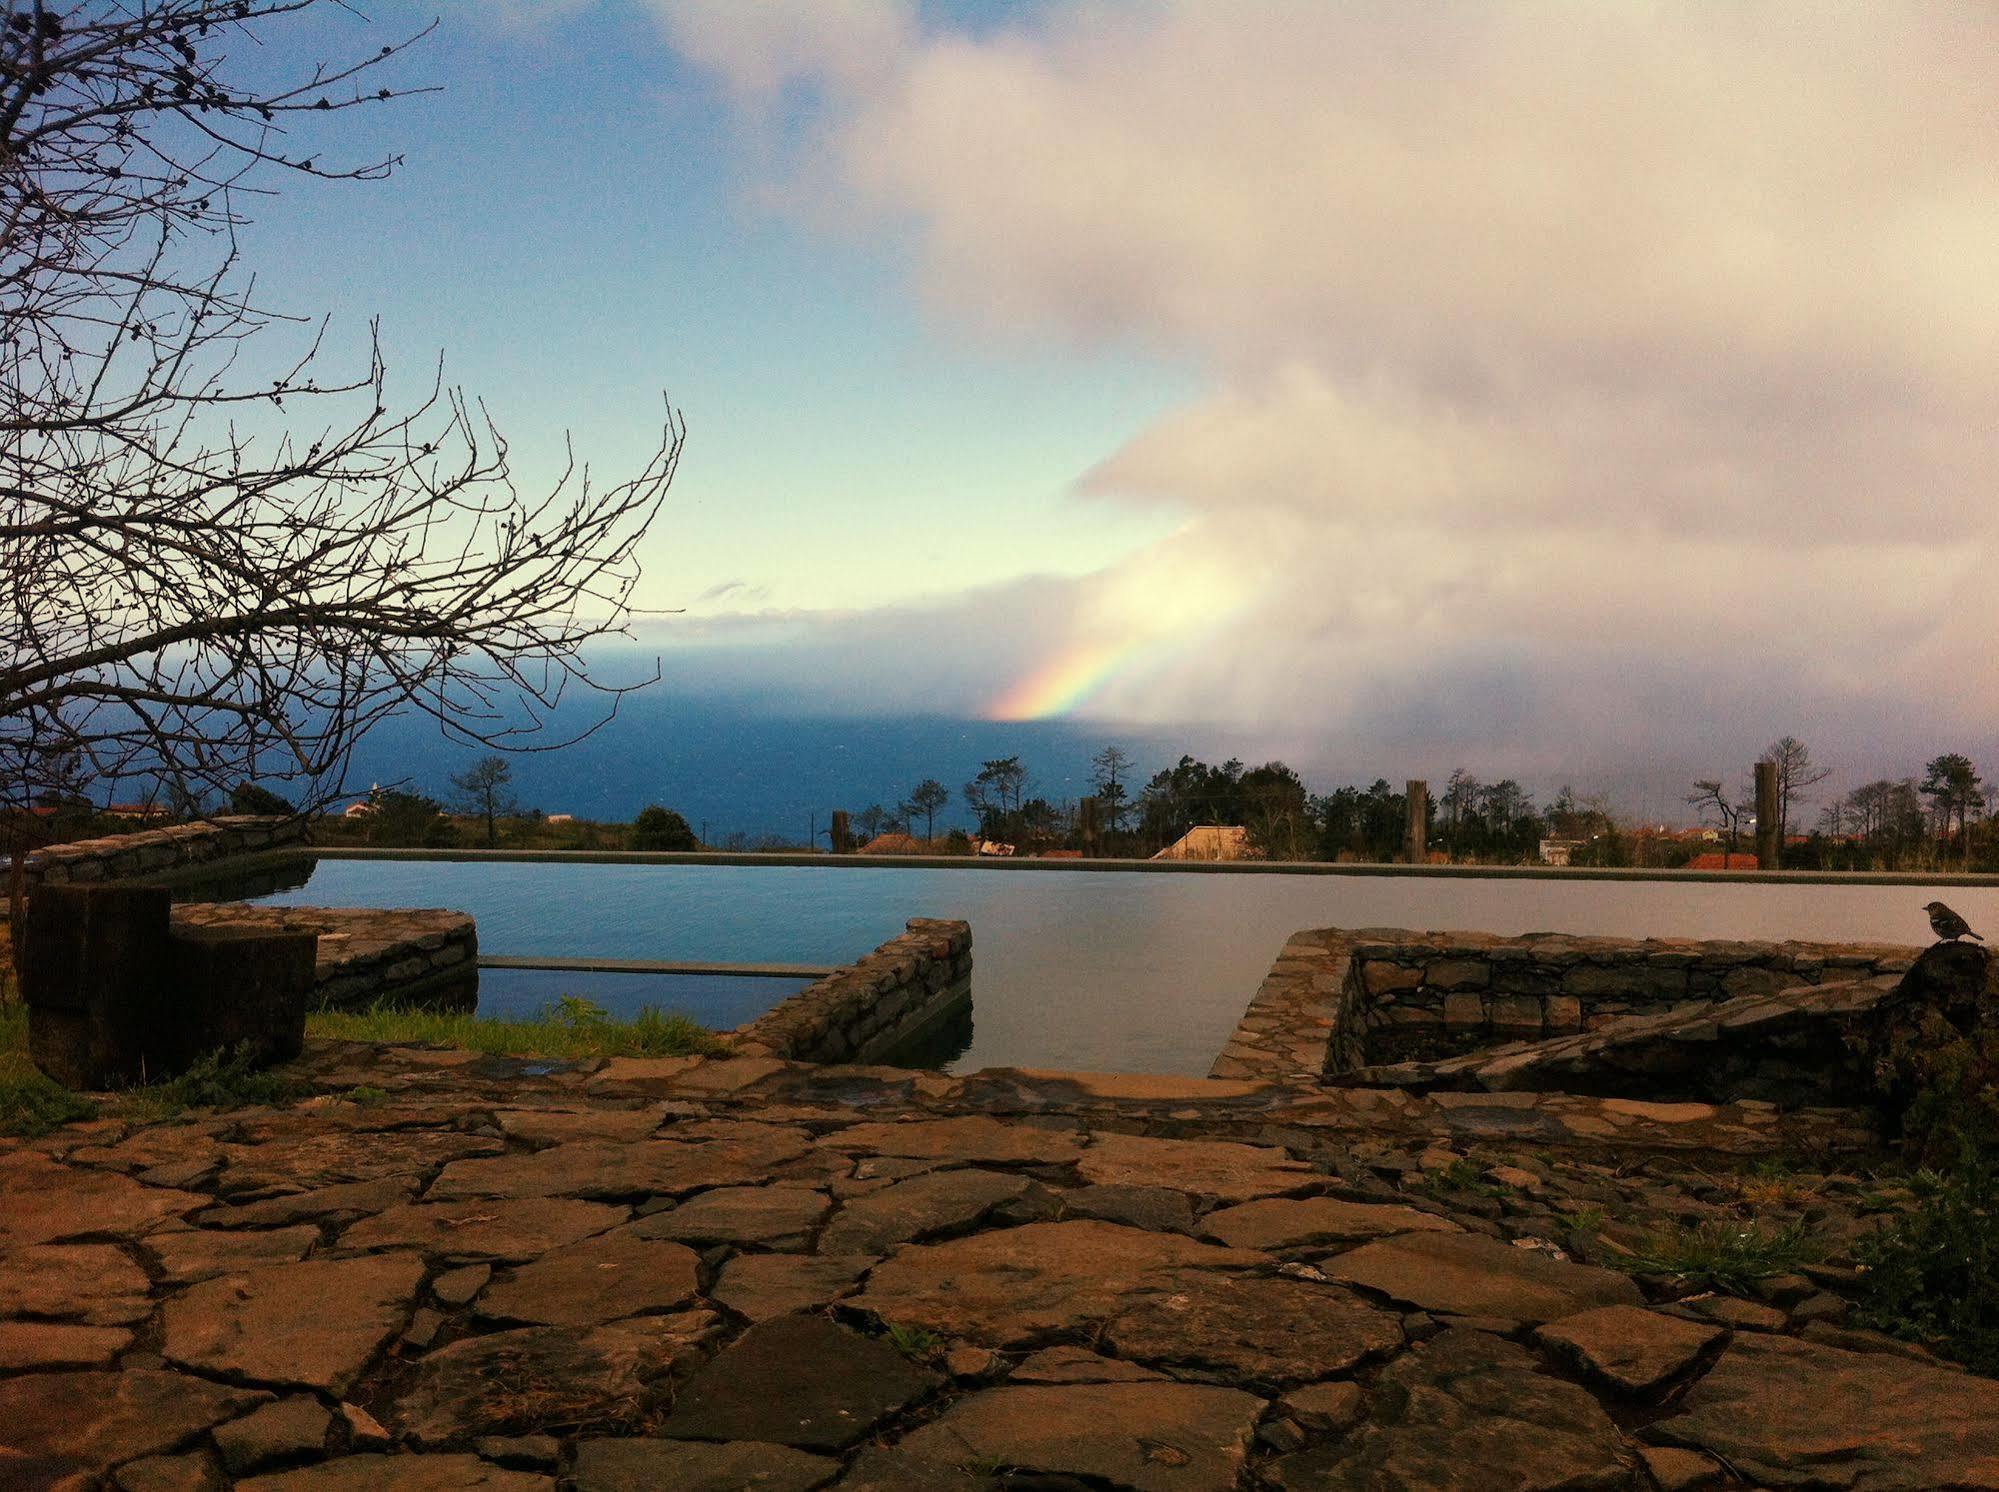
(1085, 970)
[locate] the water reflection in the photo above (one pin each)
(943, 1041)
(263, 882)
(1078, 969)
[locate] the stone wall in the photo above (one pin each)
(365, 957)
(1338, 999)
(151, 853)
(1422, 996)
(865, 1010)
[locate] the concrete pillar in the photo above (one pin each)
(93, 964)
(1414, 849)
(1086, 825)
(1769, 820)
(843, 838)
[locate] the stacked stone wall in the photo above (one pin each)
(366, 956)
(152, 853)
(863, 1011)
(1420, 997)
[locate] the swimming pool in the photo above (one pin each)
(1072, 969)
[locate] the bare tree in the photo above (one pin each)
(225, 559)
(1797, 773)
(1709, 795)
(485, 791)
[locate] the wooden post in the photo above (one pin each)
(1086, 825)
(1414, 849)
(1769, 819)
(843, 839)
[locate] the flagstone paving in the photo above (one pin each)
(741, 1273)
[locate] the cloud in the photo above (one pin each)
(1616, 359)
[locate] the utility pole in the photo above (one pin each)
(1417, 794)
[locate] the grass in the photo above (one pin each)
(1727, 1256)
(569, 1029)
(1461, 1176)
(220, 1080)
(914, 1343)
(30, 1105)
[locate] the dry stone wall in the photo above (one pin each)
(156, 852)
(1423, 996)
(863, 1011)
(426, 957)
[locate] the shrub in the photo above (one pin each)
(1726, 1255)
(1932, 1275)
(659, 828)
(247, 797)
(33, 1106)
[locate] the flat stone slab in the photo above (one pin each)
(760, 1286)
(763, 1216)
(315, 1324)
(1462, 1413)
(373, 1473)
(43, 1345)
(1157, 1437)
(1213, 1168)
(56, 1424)
(800, 1381)
(1468, 1274)
(93, 1283)
(196, 1254)
(349, 1199)
(1790, 1413)
(972, 1139)
(1254, 1330)
(601, 1169)
(1633, 1351)
(1010, 1286)
(43, 1202)
(522, 1382)
(290, 1428)
(1078, 1365)
(600, 1279)
(1293, 1222)
(505, 1231)
(615, 1465)
(923, 1205)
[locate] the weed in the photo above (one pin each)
(1461, 1176)
(1727, 1256)
(33, 1106)
(368, 1097)
(1589, 1219)
(1932, 1274)
(572, 1028)
(220, 1080)
(913, 1342)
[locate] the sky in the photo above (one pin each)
(1561, 390)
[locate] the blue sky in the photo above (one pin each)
(575, 227)
(1559, 390)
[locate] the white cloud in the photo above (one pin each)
(1618, 355)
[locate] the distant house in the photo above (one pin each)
(891, 844)
(361, 808)
(992, 847)
(1723, 861)
(560, 818)
(1211, 842)
(144, 812)
(1558, 851)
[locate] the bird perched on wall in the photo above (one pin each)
(1946, 924)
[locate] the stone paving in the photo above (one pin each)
(451, 1271)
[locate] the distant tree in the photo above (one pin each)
(1460, 807)
(247, 797)
(869, 821)
(1276, 811)
(409, 820)
(1708, 797)
(925, 799)
(1952, 784)
(1797, 774)
(995, 795)
(659, 828)
(1108, 770)
(483, 792)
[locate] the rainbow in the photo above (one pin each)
(1063, 682)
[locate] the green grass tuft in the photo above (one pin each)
(571, 1029)
(220, 1080)
(31, 1105)
(914, 1342)
(1727, 1256)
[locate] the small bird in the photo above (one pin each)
(1946, 924)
